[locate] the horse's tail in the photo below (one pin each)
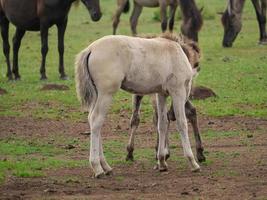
(85, 88)
(126, 6)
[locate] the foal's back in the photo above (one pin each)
(138, 65)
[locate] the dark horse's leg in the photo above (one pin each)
(4, 23)
(173, 8)
(16, 45)
(191, 115)
(163, 16)
(135, 120)
(44, 50)
(134, 17)
(61, 32)
(261, 17)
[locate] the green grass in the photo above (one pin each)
(27, 158)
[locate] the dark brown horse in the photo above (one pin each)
(232, 20)
(38, 15)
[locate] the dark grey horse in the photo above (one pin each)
(232, 20)
(38, 15)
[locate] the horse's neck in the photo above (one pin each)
(236, 6)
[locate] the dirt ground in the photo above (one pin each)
(243, 176)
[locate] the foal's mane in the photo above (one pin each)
(186, 43)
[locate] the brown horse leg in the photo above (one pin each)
(44, 50)
(116, 17)
(16, 45)
(261, 17)
(163, 16)
(4, 23)
(61, 32)
(172, 16)
(191, 115)
(135, 120)
(134, 17)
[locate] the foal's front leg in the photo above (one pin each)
(162, 131)
(179, 100)
(191, 115)
(135, 120)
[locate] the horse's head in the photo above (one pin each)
(94, 8)
(232, 26)
(231, 20)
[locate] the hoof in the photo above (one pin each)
(196, 170)
(129, 157)
(263, 42)
(109, 173)
(100, 175)
(17, 78)
(65, 77)
(43, 78)
(163, 169)
(201, 157)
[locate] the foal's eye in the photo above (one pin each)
(196, 65)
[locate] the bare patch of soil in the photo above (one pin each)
(201, 92)
(54, 87)
(235, 168)
(2, 91)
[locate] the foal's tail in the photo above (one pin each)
(85, 88)
(126, 6)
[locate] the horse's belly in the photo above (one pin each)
(148, 3)
(22, 13)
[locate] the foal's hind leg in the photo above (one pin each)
(155, 122)
(4, 23)
(134, 17)
(179, 99)
(16, 45)
(162, 131)
(96, 120)
(135, 120)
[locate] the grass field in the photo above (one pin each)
(237, 75)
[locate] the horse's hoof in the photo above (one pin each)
(196, 170)
(263, 42)
(99, 175)
(64, 77)
(129, 157)
(43, 78)
(201, 157)
(156, 167)
(17, 78)
(109, 173)
(163, 169)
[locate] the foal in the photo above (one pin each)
(139, 66)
